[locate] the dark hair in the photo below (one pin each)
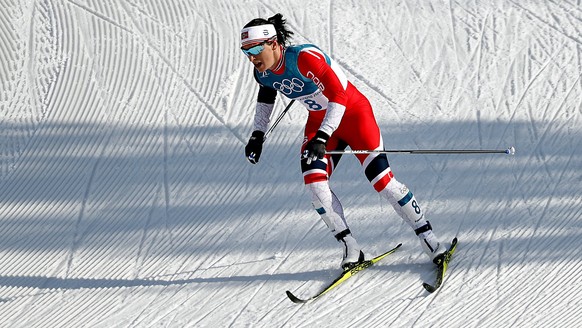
(283, 34)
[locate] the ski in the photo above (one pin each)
(442, 262)
(342, 277)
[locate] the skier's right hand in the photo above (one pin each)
(254, 147)
(315, 148)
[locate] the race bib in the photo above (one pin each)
(315, 101)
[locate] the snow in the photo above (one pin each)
(126, 201)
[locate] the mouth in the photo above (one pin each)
(258, 65)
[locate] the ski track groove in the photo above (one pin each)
(78, 234)
(545, 23)
(154, 300)
(405, 304)
(276, 269)
(99, 15)
(345, 66)
(546, 208)
(453, 37)
(208, 299)
(200, 95)
(330, 23)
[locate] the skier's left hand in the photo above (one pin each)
(315, 148)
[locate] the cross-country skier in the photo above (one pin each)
(339, 116)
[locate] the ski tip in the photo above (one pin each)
(294, 298)
(429, 288)
(453, 244)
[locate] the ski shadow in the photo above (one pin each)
(56, 284)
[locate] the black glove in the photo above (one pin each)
(254, 147)
(315, 148)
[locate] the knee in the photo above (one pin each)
(378, 172)
(314, 172)
(396, 190)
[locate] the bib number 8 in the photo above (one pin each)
(312, 104)
(416, 207)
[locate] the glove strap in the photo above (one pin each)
(258, 135)
(321, 137)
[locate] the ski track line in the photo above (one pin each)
(399, 306)
(211, 215)
(213, 308)
(8, 57)
(72, 79)
(470, 62)
(416, 75)
(557, 112)
(542, 216)
(190, 87)
(46, 24)
(543, 212)
(78, 233)
(545, 23)
(29, 303)
(391, 318)
(193, 294)
(479, 63)
(344, 65)
(204, 269)
(491, 234)
(143, 250)
(535, 304)
(453, 38)
(31, 60)
(570, 17)
(467, 65)
(518, 300)
(406, 305)
(152, 304)
(224, 302)
(7, 51)
(100, 16)
(275, 269)
(530, 84)
(165, 136)
(283, 299)
(330, 23)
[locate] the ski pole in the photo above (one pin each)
(279, 119)
(508, 151)
(252, 155)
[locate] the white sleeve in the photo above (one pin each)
(333, 117)
(263, 116)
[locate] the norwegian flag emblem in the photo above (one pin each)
(244, 35)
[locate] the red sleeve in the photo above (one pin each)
(312, 65)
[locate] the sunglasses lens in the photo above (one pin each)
(254, 50)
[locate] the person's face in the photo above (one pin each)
(263, 56)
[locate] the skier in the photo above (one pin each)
(339, 116)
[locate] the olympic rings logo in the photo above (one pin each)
(289, 86)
